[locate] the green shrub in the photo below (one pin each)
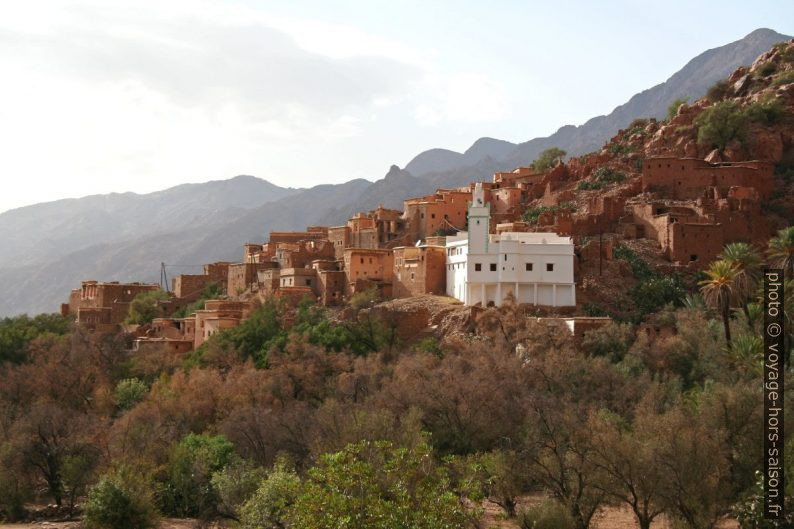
(766, 111)
(768, 68)
(146, 306)
(16, 334)
(129, 392)
(608, 175)
(548, 159)
(550, 514)
(620, 148)
(429, 345)
(587, 185)
(612, 341)
(784, 78)
(721, 123)
(726, 121)
(269, 506)
(120, 500)
(235, 485)
(374, 485)
(718, 91)
(210, 291)
(672, 110)
(186, 488)
(532, 214)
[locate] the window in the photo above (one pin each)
(432, 215)
(308, 282)
(529, 267)
(493, 267)
(505, 257)
(477, 267)
(693, 257)
(549, 267)
(362, 260)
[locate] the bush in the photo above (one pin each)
(129, 392)
(269, 506)
(186, 488)
(210, 291)
(612, 341)
(548, 159)
(784, 78)
(373, 485)
(620, 148)
(17, 333)
(718, 91)
(550, 514)
(766, 111)
(768, 68)
(120, 500)
(672, 110)
(235, 485)
(532, 214)
(145, 307)
(587, 185)
(608, 175)
(721, 123)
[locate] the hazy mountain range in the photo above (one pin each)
(49, 248)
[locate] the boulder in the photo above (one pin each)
(714, 156)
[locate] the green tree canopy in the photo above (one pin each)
(145, 307)
(374, 485)
(548, 159)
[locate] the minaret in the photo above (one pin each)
(479, 221)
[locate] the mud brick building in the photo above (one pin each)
(419, 270)
(690, 178)
(101, 306)
(442, 212)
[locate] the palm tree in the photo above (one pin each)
(719, 291)
(781, 250)
(747, 261)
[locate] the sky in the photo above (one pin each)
(137, 95)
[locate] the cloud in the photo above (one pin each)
(113, 95)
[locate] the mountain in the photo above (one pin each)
(41, 231)
(218, 235)
(436, 160)
(690, 82)
(49, 248)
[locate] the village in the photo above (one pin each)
(527, 236)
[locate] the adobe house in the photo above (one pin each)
(442, 211)
(690, 178)
(368, 265)
(419, 270)
(103, 306)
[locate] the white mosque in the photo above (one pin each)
(536, 268)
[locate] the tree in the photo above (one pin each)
(721, 123)
(719, 291)
(781, 250)
(747, 261)
(17, 333)
(121, 499)
(629, 460)
(145, 307)
(547, 159)
(672, 110)
(375, 485)
(561, 452)
(269, 506)
(186, 489)
(235, 484)
(129, 392)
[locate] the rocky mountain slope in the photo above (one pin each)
(691, 83)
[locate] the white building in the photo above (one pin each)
(537, 268)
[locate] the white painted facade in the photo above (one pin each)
(536, 268)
